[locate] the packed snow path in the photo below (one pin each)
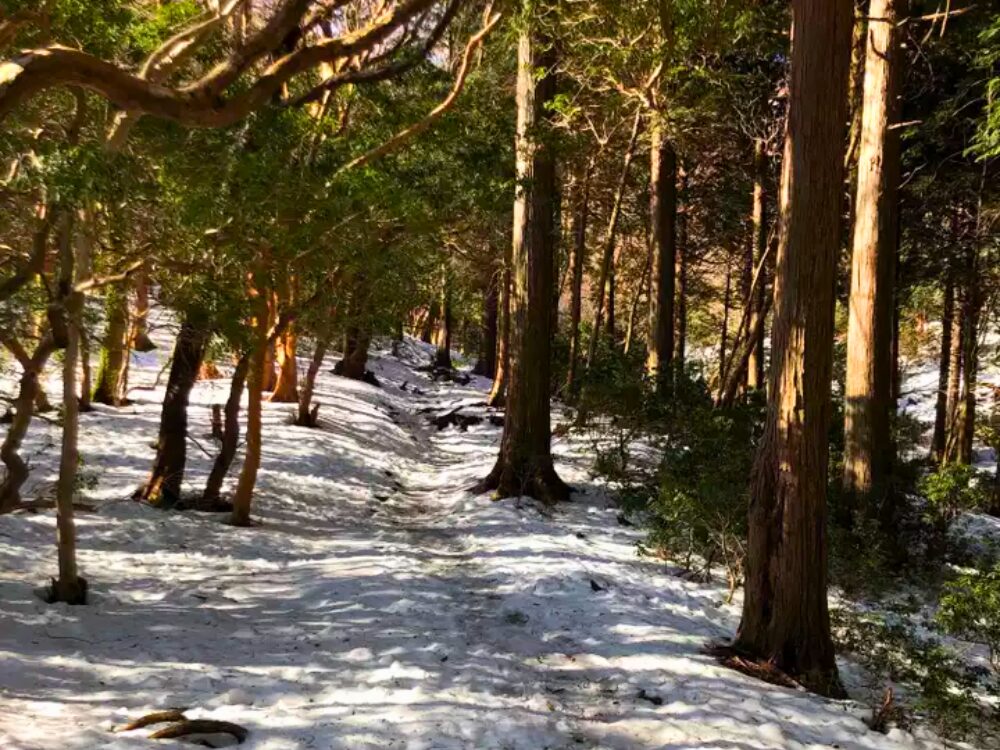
(380, 605)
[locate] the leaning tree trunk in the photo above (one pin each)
(785, 617)
(868, 388)
(163, 488)
(110, 388)
(663, 216)
(230, 433)
(243, 495)
(755, 367)
(307, 414)
(938, 440)
(69, 587)
(581, 215)
(524, 466)
(498, 393)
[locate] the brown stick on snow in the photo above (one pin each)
(157, 717)
(200, 726)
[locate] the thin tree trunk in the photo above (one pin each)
(724, 334)
(944, 374)
(230, 433)
(86, 387)
(498, 393)
(163, 488)
(868, 391)
(785, 616)
(663, 215)
(524, 466)
(110, 387)
(680, 347)
(286, 386)
(243, 495)
(970, 362)
(636, 299)
(307, 416)
(955, 379)
(755, 366)
(581, 217)
(486, 362)
(608, 256)
(442, 357)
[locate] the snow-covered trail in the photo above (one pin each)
(380, 605)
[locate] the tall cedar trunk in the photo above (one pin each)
(581, 216)
(442, 357)
(111, 386)
(69, 587)
(785, 617)
(307, 415)
(724, 334)
(955, 379)
(944, 374)
(243, 495)
(868, 388)
(230, 432)
(663, 216)
(608, 254)
(486, 362)
(755, 368)
(163, 487)
(498, 393)
(524, 466)
(140, 325)
(680, 346)
(970, 361)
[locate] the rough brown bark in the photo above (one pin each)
(486, 363)
(785, 617)
(724, 333)
(442, 357)
(163, 487)
(140, 323)
(663, 216)
(243, 496)
(286, 387)
(230, 433)
(306, 414)
(955, 380)
(498, 393)
(524, 466)
(680, 305)
(868, 388)
(581, 217)
(944, 374)
(758, 218)
(355, 359)
(110, 388)
(970, 361)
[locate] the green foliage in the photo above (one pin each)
(950, 490)
(970, 610)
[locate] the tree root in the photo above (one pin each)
(157, 717)
(187, 727)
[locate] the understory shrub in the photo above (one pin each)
(970, 610)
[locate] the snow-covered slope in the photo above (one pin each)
(380, 605)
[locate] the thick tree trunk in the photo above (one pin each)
(868, 391)
(524, 466)
(498, 393)
(111, 386)
(230, 433)
(307, 415)
(486, 362)
(785, 617)
(663, 216)
(355, 360)
(938, 440)
(286, 389)
(581, 216)
(243, 495)
(163, 488)
(755, 367)
(608, 255)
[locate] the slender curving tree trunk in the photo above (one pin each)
(758, 218)
(785, 616)
(243, 496)
(938, 440)
(663, 217)
(308, 414)
(498, 393)
(230, 433)
(524, 466)
(163, 487)
(868, 388)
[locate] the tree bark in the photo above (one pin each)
(498, 393)
(286, 384)
(868, 390)
(140, 324)
(970, 361)
(243, 495)
(524, 466)
(355, 360)
(680, 305)
(938, 440)
(307, 415)
(163, 488)
(111, 386)
(663, 215)
(230, 433)
(486, 363)
(608, 256)
(724, 334)
(442, 357)
(755, 367)
(581, 217)
(955, 379)
(785, 617)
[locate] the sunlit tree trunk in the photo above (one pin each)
(785, 617)
(307, 414)
(868, 390)
(524, 466)
(955, 379)
(164, 484)
(442, 357)
(140, 322)
(243, 496)
(758, 218)
(110, 385)
(498, 393)
(286, 386)
(944, 373)
(663, 217)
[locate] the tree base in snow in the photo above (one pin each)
(543, 484)
(74, 592)
(739, 658)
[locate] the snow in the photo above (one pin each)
(379, 605)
